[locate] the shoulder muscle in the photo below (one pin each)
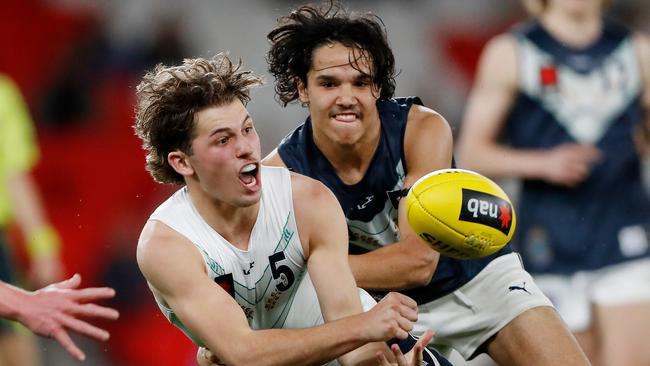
(273, 159)
(318, 213)
(428, 143)
(165, 256)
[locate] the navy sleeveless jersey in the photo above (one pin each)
(590, 96)
(370, 206)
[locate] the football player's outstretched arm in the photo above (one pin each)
(176, 273)
(324, 231)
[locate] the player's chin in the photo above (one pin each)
(250, 199)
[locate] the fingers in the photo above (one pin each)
(381, 359)
(96, 311)
(425, 338)
(418, 349)
(406, 306)
(92, 294)
(405, 300)
(84, 328)
(399, 356)
(66, 342)
(405, 326)
(70, 283)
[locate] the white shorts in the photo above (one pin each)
(466, 318)
(574, 295)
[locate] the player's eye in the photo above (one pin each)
(363, 82)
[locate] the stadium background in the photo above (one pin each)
(78, 62)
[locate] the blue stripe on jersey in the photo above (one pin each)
(370, 198)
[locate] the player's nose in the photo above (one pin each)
(346, 96)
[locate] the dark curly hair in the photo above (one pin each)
(307, 28)
(169, 97)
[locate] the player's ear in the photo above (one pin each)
(178, 161)
(303, 94)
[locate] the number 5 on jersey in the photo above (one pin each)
(281, 273)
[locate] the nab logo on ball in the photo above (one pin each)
(460, 213)
(486, 209)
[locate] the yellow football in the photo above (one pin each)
(460, 213)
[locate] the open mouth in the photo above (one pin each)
(248, 174)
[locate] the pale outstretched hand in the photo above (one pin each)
(412, 358)
(54, 310)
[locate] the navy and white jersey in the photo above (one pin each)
(371, 205)
(591, 96)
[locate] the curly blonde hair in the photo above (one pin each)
(168, 98)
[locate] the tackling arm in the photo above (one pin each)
(409, 262)
(332, 278)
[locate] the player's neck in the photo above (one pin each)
(234, 224)
(574, 31)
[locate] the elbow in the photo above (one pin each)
(230, 356)
(424, 270)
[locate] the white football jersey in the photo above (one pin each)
(262, 279)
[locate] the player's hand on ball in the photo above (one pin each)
(412, 358)
(392, 317)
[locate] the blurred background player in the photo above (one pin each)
(20, 204)
(559, 103)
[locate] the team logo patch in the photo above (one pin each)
(548, 76)
(486, 209)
